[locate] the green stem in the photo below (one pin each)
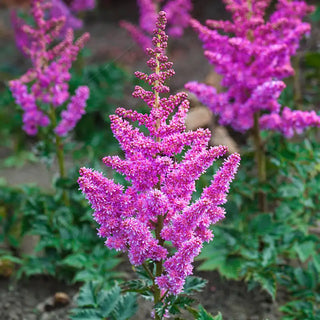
(159, 264)
(60, 155)
(159, 225)
(261, 162)
(146, 268)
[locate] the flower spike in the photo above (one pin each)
(157, 207)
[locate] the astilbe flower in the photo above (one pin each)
(156, 208)
(253, 61)
(58, 9)
(49, 75)
(82, 5)
(178, 16)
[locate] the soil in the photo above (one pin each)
(25, 300)
(31, 300)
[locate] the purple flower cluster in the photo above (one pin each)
(74, 112)
(252, 61)
(82, 5)
(178, 16)
(32, 116)
(49, 75)
(156, 208)
(57, 9)
(290, 121)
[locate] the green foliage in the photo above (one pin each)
(204, 315)
(315, 16)
(97, 302)
(194, 284)
(264, 248)
(141, 286)
(175, 304)
(12, 136)
(68, 246)
(106, 83)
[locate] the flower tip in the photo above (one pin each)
(82, 172)
(235, 157)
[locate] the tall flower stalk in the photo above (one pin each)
(155, 214)
(43, 90)
(178, 17)
(253, 60)
(58, 9)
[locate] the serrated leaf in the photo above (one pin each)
(268, 255)
(303, 278)
(305, 250)
(268, 283)
(11, 258)
(316, 262)
(177, 302)
(194, 284)
(126, 307)
(204, 315)
(87, 295)
(137, 285)
(160, 309)
(261, 224)
(212, 262)
(84, 276)
(231, 268)
(107, 300)
(75, 260)
(218, 317)
(85, 314)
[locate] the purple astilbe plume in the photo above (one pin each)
(178, 17)
(82, 5)
(21, 38)
(156, 208)
(46, 82)
(253, 61)
(58, 9)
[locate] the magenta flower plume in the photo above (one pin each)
(252, 62)
(82, 5)
(178, 18)
(57, 9)
(46, 82)
(60, 9)
(157, 207)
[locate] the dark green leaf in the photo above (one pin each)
(204, 315)
(107, 300)
(87, 295)
(194, 284)
(77, 260)
(305, 250)
(126, 307)
(85, 314)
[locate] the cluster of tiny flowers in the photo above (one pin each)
(178, 16)
(49, 75)
(253, 62)
(156, 208)
(290, 121)
(58, 9)
(82, 5)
